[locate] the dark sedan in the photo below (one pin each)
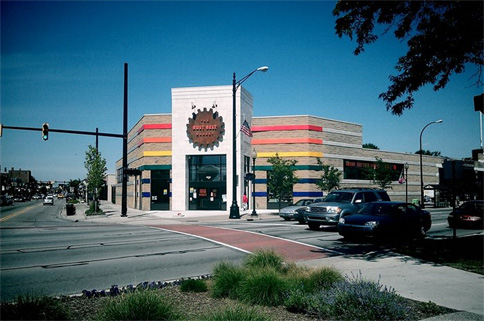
(386, 219)
(468, 214)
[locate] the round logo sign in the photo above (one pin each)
(205, 129)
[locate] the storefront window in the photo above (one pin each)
(207, 182)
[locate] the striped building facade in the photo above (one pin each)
(178, 174)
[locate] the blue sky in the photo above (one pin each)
(63, 63)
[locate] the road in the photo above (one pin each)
(43, 253)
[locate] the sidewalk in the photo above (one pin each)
(411, 278)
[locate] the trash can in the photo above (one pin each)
(70, 209)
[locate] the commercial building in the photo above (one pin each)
(185, 158)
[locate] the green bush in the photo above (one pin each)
(92, 209)
(264, 287)
(193, 285)
(323, 278)
(139, 305)
(226, 279)
(358, 300)
(265, 259)
(237, 313)
(30, 307)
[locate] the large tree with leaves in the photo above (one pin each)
(444, 37)
(96, 173)
(330, 177)
(281, 178)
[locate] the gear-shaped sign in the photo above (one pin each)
(205, 129)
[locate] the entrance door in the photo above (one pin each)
(160, 190)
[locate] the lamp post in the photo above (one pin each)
(254, 156)
(234, 208)
(421, 170)
(406, 182)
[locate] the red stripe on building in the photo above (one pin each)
(286, 127)
(248, 241)
(287, 141)
(154, 126)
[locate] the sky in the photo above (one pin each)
(62, 62)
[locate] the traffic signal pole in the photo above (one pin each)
(124, 136)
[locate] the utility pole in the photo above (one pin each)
(124, 195)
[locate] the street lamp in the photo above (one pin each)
(421, 171)
(254, 156)
(406, 182)
(234, 208)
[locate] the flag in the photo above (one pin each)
(246, 129)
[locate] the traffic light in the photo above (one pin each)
(479, 103)
(45, 131)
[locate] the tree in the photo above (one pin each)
(281, 178)
(370, 146)
(443, 37)
(330, 178)
(428, 153)
(382, 173)
(96, 172)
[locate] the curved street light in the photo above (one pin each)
(234, 208)
(421, 171)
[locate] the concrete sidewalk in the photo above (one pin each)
(411, 278)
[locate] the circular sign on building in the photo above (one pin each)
(205, 129)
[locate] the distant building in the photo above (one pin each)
(185, 158)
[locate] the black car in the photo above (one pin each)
(468, 214)
(386, 219)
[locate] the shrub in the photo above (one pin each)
(264, 287)
(324, 278)
(265, 259)
(358, 300)
(139, 305)
(30, 307)
(237, 313)
(193, 285)
(226, 279)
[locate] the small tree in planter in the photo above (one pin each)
(281, 178)
(96, 171)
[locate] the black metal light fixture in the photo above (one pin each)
(406, 182)
(254, 156)
(234, 208)
(422, 205)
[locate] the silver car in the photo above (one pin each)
(49, 200)
(288, 213)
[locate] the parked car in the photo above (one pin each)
(341, 203)
(6, 200)
(386, 219)
(18, 198)
(299, 213)
(288, 212)
(36, 197)
(49, 200)
(468, 214)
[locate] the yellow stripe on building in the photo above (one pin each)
(154, 153)
(290, 154)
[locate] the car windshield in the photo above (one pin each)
(301, 203)
(340, 197)
(378, 209)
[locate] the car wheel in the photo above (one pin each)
(421, 233)
(286, 218)
(313, 226)
(301, 221)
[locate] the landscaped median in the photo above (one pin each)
(264, 287)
